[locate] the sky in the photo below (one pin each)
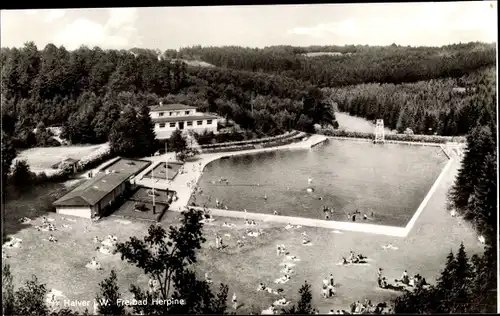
(415, 24)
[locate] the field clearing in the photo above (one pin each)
(356, 124)
(316, 54)
(42, 158)
(197, 63)
(61, 265)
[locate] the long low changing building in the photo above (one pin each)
(96, 195)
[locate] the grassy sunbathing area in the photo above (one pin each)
(61, 264)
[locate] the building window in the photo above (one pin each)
(199, 122)
(189, 123)
(209, 122)
(160, 114)
(170, 113)
(162, 125)
(186, 112)
(172, 124)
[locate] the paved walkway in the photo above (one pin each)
(303, 221)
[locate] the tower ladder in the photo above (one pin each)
(379, 132)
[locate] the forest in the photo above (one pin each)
(355, 65)
(85, 90)
(96, 94)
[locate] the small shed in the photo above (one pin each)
(66, 163)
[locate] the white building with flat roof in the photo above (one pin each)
(169, 117)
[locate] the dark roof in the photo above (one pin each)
(183, 118)
(95, 189)
(67, 161)
(171, 107)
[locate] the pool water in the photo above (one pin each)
(386, 182)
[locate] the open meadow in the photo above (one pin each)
(61, 265)
(43, 158)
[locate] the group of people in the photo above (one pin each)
(219, 243)
(328, 288)
(250, 222)
(357, 212)
(226, 224)
(25, 220)
(223, 180)
(290, 226)
(367, 307)
(281, 280)
(305, 239)
(416, 281)
(94, 264)
(281, 250)
(12, 243)
(254, 233)
(328, 213)
(263, 287)
(107, 244)
(207, 215)
(47, 225)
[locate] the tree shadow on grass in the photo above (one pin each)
(31, 202)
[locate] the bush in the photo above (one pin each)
(207, 138)
(94, 158)
(21, 174)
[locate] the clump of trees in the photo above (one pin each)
(133, 135)
(178, 144)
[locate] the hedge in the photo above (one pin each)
(397, 137)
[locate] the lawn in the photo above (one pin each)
(41, 158)
(61, 265)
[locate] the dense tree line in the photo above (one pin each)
(356, 65)
(86, 90)
(446, 107)
(468, 285)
